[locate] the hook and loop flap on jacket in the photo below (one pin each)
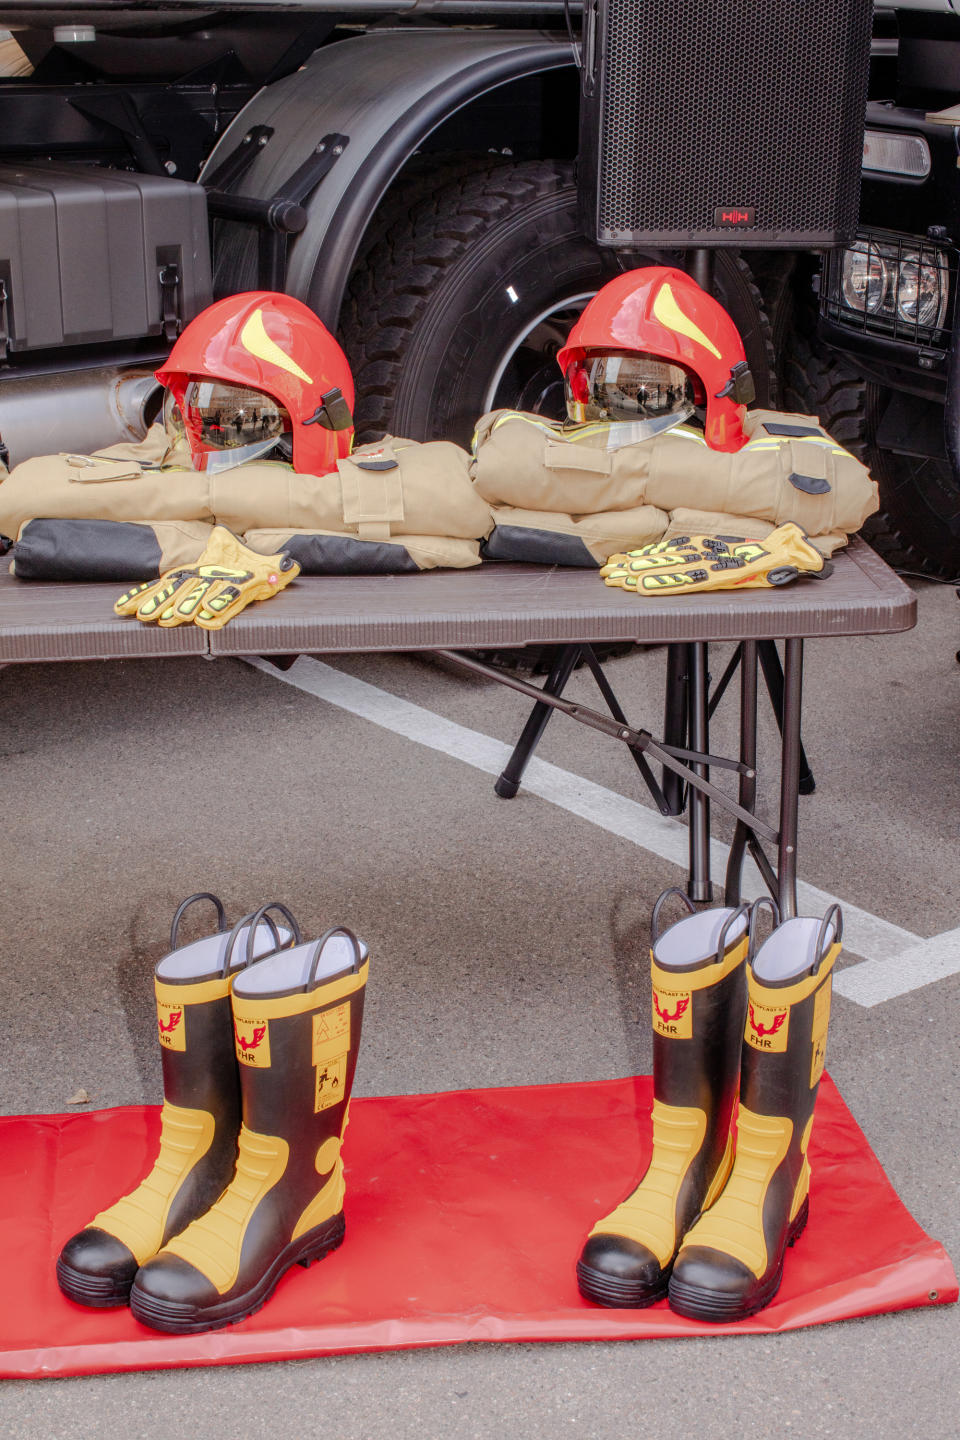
(372, 489)
(584, 459)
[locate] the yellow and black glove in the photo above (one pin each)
(715, 562)
(225, 579)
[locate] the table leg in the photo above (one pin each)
(790, 778)
(675, 711)
(508, 782)
(699, 887)
(773, 676)
(747, 790)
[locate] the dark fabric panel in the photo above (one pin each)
(539, 547)
(797, 432)
(86, 550)
(809, 484)
(343, 555)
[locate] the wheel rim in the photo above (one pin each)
(527, 376)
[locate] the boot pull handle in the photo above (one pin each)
(264, 914)
(655, 918)
(318, 951)
(764, 902)
(253, 920)
(184, 906)
(822, 943)
(740, 912)
(233, 937)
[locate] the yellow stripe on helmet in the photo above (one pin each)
(668, 312)
(254, 337)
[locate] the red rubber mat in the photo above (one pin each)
(465, 1215)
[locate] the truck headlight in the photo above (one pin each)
(866, 278)
(888, 153)
(896, 281)
(922, 293)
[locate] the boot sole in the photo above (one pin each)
(618, 1294)
(698, 1304)
(97, 1292)
(177, 1318)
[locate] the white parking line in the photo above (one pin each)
(895, 960)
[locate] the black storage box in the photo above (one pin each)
(89, 255)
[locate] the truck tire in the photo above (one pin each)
(921, 506)
(917, 528)
(463, 302)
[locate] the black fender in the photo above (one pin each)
(386, 92)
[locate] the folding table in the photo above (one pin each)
(498, 607)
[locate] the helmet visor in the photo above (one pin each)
(632, 388)
(230, 425)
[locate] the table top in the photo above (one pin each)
(489, 607)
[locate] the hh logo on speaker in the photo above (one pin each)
(736, 216)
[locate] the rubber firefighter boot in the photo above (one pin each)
(699, 1000)
(200, 1118)
(731, 1262)
(297, 1018)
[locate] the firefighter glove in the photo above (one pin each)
(715, 562)
(225, 579)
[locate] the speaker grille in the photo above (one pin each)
(720, 106)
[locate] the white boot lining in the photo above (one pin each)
(791, 949)
(290, 970)
(205, 957)
(695, 938)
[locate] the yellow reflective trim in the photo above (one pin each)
(324, 1205)
(212, 1244)
(193, 993)
(138, 1220)
(734, 1225)
(649, 1215)
(803, 1182)
(668, 312)
(254, 337)
(686, 433)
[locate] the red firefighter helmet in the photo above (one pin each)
(255, 371)
(664, 317)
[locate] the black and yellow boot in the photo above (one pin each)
(731, 1262)
(297, 1018)
(699, 1000)
(200, 1119)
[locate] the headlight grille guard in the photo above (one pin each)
(938, 253)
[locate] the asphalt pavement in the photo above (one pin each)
(509, 944)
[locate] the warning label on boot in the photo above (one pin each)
(253, 1041)
(821, 1022)
(767, 1028)
(331, 1033)
(671, 1013)
(331, 1081)
(170, 1025)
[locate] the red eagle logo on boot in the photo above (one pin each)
(759, 1029)
(175, 1017)
(665, 1015)
(258, 1033)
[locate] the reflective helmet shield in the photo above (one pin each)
(628, 387)
(232, 424)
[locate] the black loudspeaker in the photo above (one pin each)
(723, 122)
